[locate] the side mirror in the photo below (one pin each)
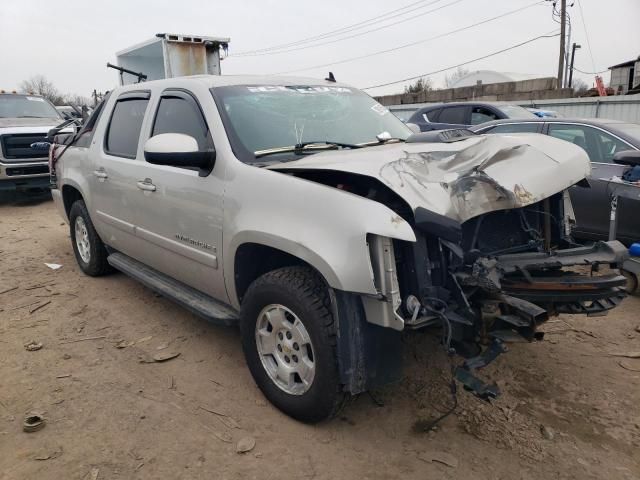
(413, 127)
(177, 150)
(628, 157)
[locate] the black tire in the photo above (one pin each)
(97, 264)
(632, 282)
(304, 293)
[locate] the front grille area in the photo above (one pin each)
(18, 146)
(30, 170)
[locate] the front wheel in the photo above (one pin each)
(289, 341)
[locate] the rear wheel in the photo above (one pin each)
(88, 248)
(289, 341)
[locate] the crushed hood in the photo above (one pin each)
(466, 178)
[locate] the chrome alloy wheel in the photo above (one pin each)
(82, 239)
(285, 349)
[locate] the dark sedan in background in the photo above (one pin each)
(464, 114)
(601, 139)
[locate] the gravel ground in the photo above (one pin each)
(570, 409)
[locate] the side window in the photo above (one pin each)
(123, 132)
(578, 135)
(515, 128)
(609, 146)
(481, 115)
(453, 115)
(181, 114)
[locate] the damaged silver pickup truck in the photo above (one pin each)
(307, 214)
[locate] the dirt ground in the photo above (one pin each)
(569, 408)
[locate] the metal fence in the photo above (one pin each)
(619, 107)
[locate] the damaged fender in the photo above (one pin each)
(324, 226)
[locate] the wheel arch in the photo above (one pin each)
(70, 194)
(258, 253)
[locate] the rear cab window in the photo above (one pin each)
(125, 124)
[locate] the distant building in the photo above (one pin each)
(488, 77)
(625, 76)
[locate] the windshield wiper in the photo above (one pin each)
(305, 147)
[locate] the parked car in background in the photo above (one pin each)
(403, 114)
(539, 112)
(601, 139)
(24, 120)
(464, 114)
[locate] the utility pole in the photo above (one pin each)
(563, 18)
(573, 57)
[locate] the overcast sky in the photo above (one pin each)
(70, 42)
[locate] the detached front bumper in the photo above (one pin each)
(565, 281)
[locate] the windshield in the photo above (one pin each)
(631, 129)
(25, 106)
(514, 111)
(259, 118)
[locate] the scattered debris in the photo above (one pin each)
(164, 356)
(38, 307)
(143, 339)
(439, 457)
(226, 420)
(162, 346)
(245, 444)
(637, 329)
(83, 339)
(66, 356)
(626, 354)
(124, 344)
(82, 309)
(171, 383)
(626, 366)
(49, 455)
(93, 474)
(33, 422)
(546, 432)
(32, 346)
(66, 375)
(6, 290)
(53, 266)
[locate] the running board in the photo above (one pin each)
(190, 298)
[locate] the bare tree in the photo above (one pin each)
(419, 86)
(450, 80)
(76, 100)
(579, 86)
(39, 85)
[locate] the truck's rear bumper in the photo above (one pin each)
(59, 203)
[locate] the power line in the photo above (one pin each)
(590, 73)
(464, 63)
(411, 44)
(356, 34)
(586, 33)
(344, 29)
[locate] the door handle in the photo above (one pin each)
(100, 173)
(146, 185)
